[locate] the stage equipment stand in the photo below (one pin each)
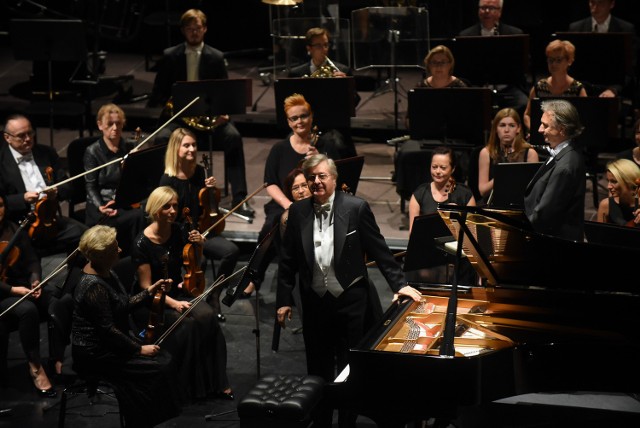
(391, 38)
(49, 40)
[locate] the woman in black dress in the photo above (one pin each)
(142, 375)
(197, 344)
(187, 178)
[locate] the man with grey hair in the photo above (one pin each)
(554, 199)
(326, 241)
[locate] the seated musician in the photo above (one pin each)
(188, 179)
(621, 206)
(197, 344)
(632, 153)
(24, 178)
(194, 60)
(506, 144)
(142, 374)
(101, 185)
(20, 272)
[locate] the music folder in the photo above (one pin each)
(144, 168)
(510, 180)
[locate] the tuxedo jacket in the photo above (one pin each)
(616, 25)
(503, 30)
(356, 233)
(554, 199)
(13, 186)
(173, 68)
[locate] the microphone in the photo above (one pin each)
(397, 140)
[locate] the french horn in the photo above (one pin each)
(200, 123)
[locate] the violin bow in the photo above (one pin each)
(231, 211)
(82, 174)
(42, 283)
(217, 283)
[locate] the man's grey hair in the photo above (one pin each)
(565, 116)
(315, 160)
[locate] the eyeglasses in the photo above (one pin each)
(195, 29)
(299, 188)
(320, 45)
(488, 8)
(322, 177)
(22, 136)
(303, 116)
(439, 63)
(556, 60)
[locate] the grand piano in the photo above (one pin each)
(545, 315)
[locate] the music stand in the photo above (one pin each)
(450, 114)
(391, 38)
(217, 96)
(425, 249)
(48, 40)
(144, 168)
(349, 170)
(510, 180)
(480, 59)
(328, 112)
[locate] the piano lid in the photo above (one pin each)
(506, 252)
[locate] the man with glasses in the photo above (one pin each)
(23, 179)
(195, 60)
(326, 244)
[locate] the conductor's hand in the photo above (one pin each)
(409, 292)
(284, 313)
(149, 350)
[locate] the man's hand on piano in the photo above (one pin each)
(284, 313)
(409, 292)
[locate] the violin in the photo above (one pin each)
(194, 280)
(9, 253)
(632, 223)
(209, 199)
(45, 225)
(156, 315)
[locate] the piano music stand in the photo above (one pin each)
(49, 40)
(510, 180)
(143, 167)
(335, 111)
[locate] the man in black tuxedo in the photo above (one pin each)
(326, 241)
(489, 24)
(191, 61)
(554, 199)
(23, 166)
(602, 21)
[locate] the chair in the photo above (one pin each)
(75, 160)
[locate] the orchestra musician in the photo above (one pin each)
(101, 185)
(554, 199)
(197, 344)
(187, 178)
(333, 278)
(621, 206)
(23, 166)
(102, 344)
(195, 60)
(506, 144)
(632, 153)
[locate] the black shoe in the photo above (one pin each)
(246, 210)
(47, 393)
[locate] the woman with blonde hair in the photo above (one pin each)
(621, 206)
(560, 56)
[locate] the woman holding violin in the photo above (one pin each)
(21, 272)
(101, 185)
(197, 345)
(102, 345)
(197, 192)
(621, 206)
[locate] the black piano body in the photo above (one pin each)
(549, 315)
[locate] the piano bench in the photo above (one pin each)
(282, 401)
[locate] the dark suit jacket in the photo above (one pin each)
(554, 199)
(616, 25)
(173, 68)
(503, 30)
(305, 69)
(11, 180)
(356, 233)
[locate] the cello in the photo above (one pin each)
(156, 315)
(45, 224)
(209, 198)
(194, 280)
